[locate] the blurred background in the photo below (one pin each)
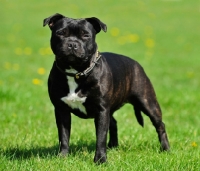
(162, 35)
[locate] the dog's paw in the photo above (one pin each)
(164, 143)
(63, 153)
(112, 144)
(100, 158)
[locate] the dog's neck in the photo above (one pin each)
(78, 75)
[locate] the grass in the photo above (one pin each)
(163, 36)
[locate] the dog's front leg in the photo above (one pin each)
(63, 121)
(101, 125)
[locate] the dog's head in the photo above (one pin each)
(73, 40)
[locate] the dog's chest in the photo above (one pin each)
(73, 100)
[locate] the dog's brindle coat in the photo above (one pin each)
(94, 85)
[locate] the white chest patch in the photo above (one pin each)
(72, 99)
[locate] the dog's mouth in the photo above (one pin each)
(71, 60)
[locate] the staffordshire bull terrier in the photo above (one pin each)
(91, 84)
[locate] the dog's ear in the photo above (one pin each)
(97, 24)
(52, 20)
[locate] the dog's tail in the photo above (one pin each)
(139, 116)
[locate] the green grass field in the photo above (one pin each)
(162, 35)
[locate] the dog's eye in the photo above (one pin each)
(84, 34)
(61, 32)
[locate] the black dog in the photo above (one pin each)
(90, 84)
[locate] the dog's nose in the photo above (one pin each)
(72, 46)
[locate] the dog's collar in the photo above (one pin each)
(84, 73)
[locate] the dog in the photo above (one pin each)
(91, 84)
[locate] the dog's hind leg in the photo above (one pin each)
(113, 142)
(152, 109)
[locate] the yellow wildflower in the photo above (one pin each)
(190, 74)
(194, 144)
(41, 71)
(130, 38)
(115, 31)
(133, 38)
(45, 51)
(150, 43)
(48, 51)
(36, 81)
(7, 65)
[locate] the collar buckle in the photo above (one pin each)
(77, 76)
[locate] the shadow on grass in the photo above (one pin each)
(19, 153)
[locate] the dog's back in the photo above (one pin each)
(128, 75)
